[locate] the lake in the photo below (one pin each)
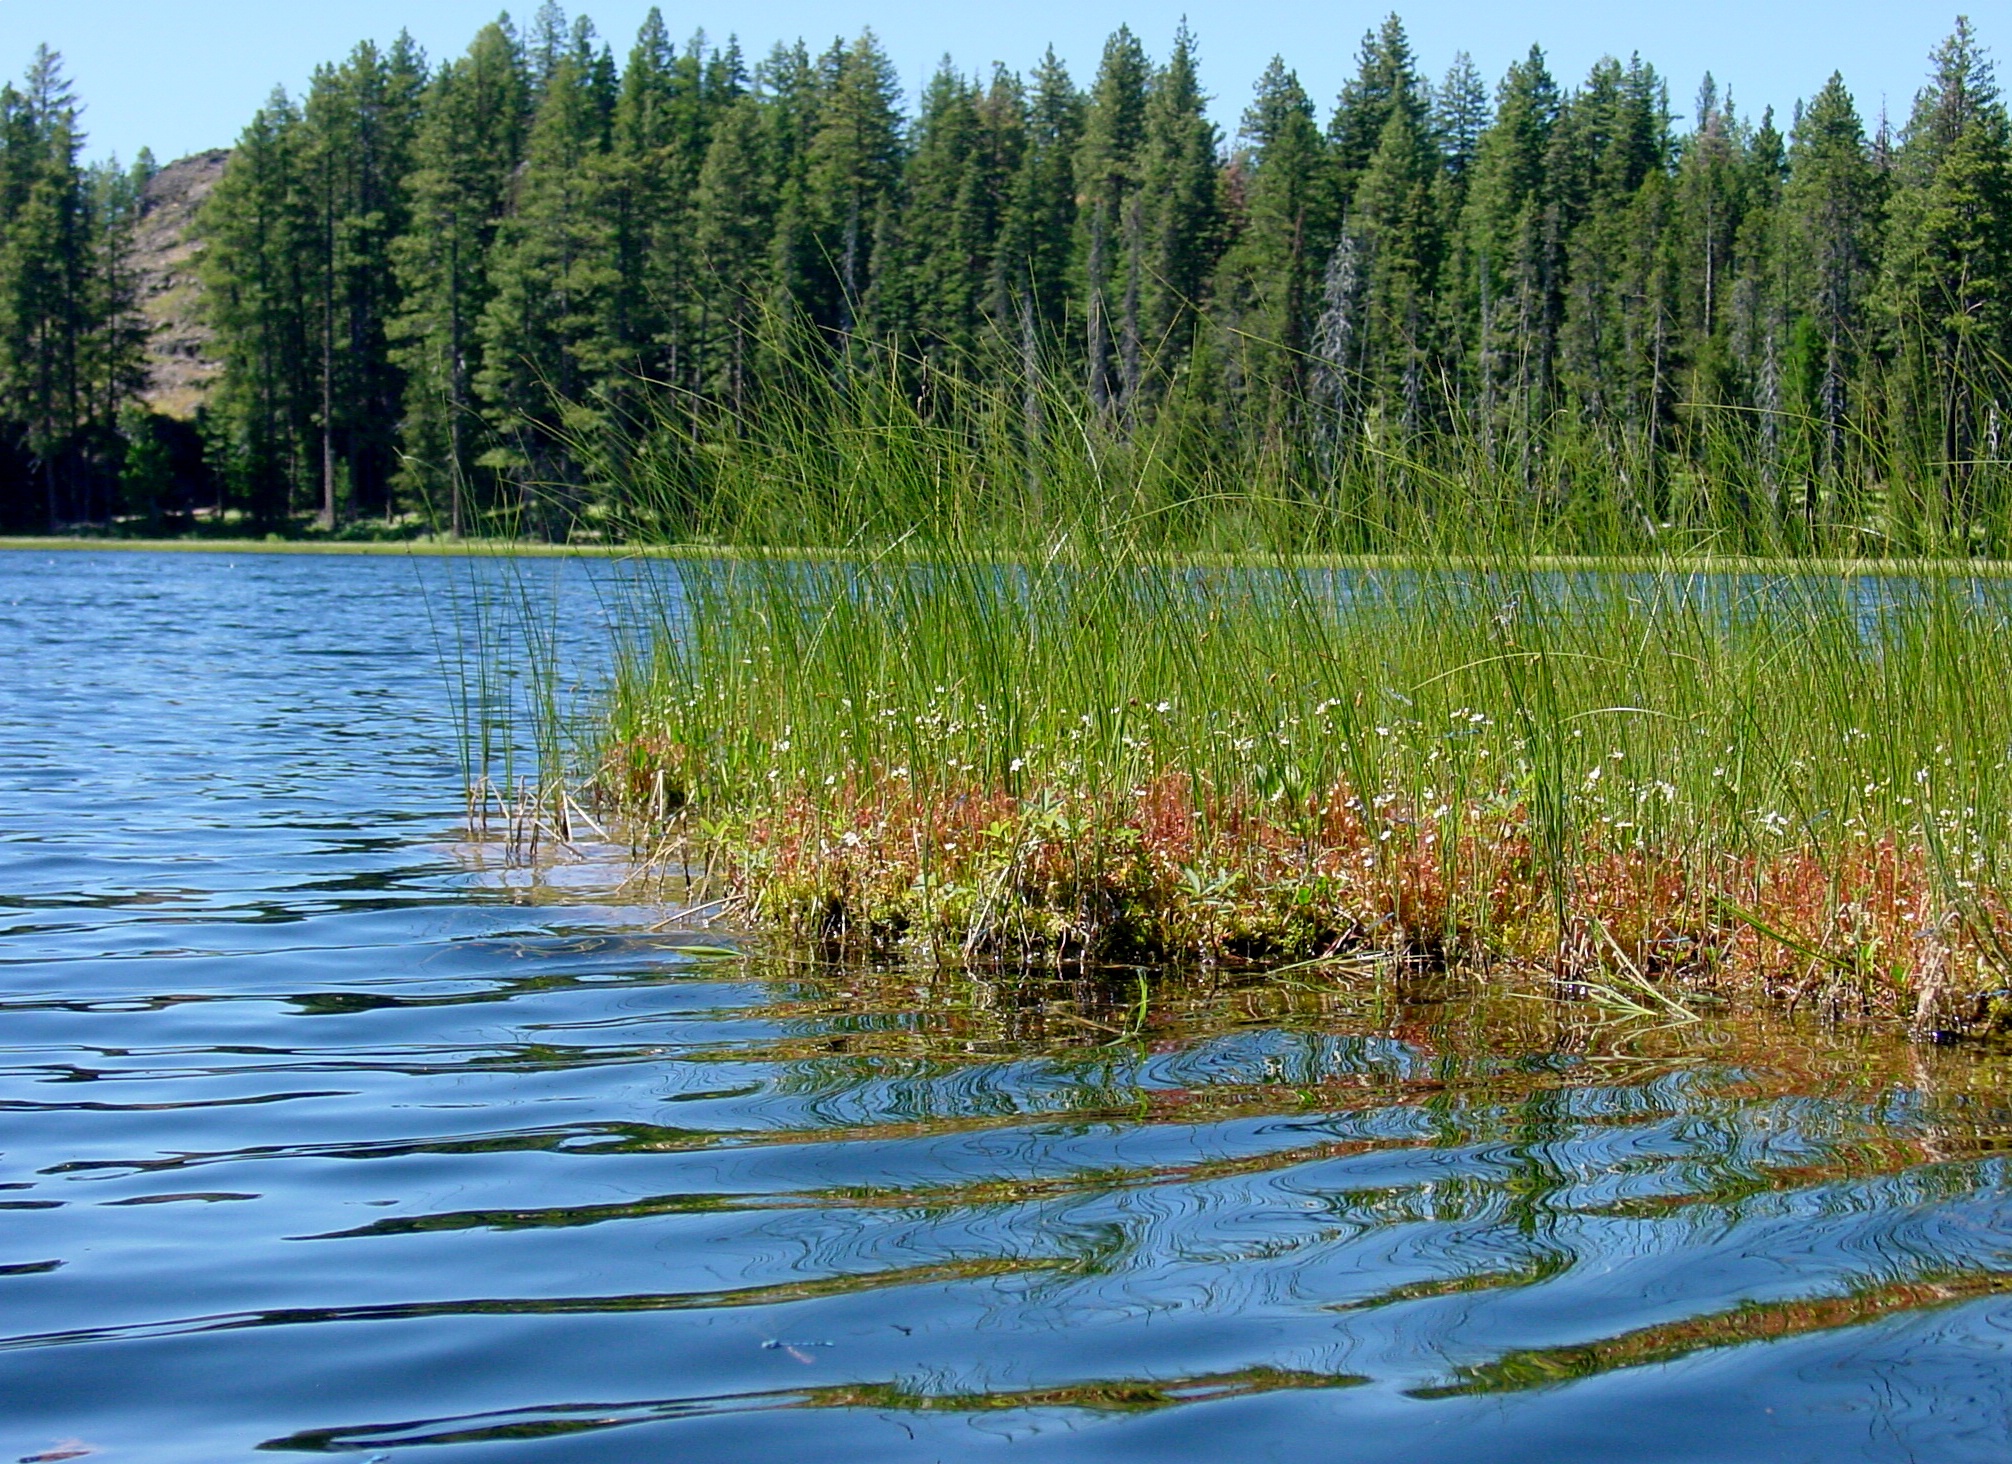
(322, 1130)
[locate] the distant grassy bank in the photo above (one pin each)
(304, 546)
(1696, 563)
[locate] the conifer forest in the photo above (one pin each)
(545, 287)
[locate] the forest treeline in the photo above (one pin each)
(71, 341)
(483, 292)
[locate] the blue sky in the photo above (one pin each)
(179, 75)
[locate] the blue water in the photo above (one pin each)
(322, 1131)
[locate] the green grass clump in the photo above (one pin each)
(1006, 712)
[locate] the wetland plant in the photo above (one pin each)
(949, 691)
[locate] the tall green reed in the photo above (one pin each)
(916, 596)
(842, 440)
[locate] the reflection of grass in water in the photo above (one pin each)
(1489, 1070)
(1514, 1372)
(1542, 1269)
(1728, 1190)
(918, 1199)
(1444, 1036)
(1758, 1321)
(772, 1294)
(1103, 1397)
(1112, 1397)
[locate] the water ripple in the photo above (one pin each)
(280, 1056)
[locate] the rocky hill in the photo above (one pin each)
(180, 369)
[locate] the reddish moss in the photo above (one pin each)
(1173, 872)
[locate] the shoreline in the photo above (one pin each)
(510, 548)
(433, 549)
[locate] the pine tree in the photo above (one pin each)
(1037, 236)
(1395, 222)
(1179, 183)
(647, 187)
(465, 154)
(1832, 210)
(991, 189)
(1949, 268)
(357, 131)
(1638, 193)
(549, 42)
(948, 233)
(734, 212)
(544, 334)
(70, 340)
(1274, 271)
(43, 262)
(259, 295)
(113, 342)
(1107, 180)
(791, 93)
(852, 169)
(1459, 117)
(1386, 81)
(1711, 203)
(968, 147)
(1511, 270)
(1759, 326)
(663, 126)
(1611, 140)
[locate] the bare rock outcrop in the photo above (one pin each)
(180, 368)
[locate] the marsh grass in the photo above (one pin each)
(509, 630)
(1042, 695)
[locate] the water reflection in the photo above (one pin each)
(315, 1136)
(568, 1418)
(1756, 1321)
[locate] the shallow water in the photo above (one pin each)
(319, 1133)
